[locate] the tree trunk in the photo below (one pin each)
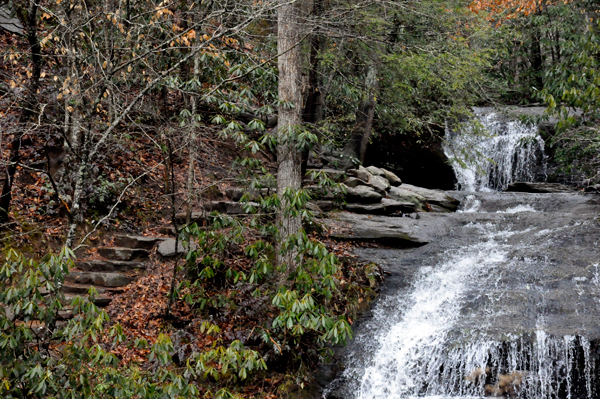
(313, 105)
(364, 118)
(290, 98)
(27, 111)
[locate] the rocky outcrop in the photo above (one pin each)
(399, 232)
(395, 198)
(545, 188)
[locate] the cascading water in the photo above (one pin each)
(495, 152)
(484, 318)
(504, 303)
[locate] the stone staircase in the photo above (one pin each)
(122, 264)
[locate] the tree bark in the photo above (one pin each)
(27, 111)
(364, 117)
(289, 119)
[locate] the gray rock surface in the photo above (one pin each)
(436, 197)
(391, 177)
(166, 248)
(375, 171)
(108, 265)
(120, 253)
(363, 194)
(360, 173)
(405, 195)
(354, 181)
(385, 207)
(379, 184)
(541, 279)
(400, 231)
(524, 187)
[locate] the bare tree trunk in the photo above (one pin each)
(364, 118)
(192, 146)
(27, 111)
(289, 156)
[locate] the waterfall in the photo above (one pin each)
(427, 345)
(496, 151)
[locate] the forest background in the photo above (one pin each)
(117, 115)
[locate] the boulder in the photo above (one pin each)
(354, 181)
(404, 195)
(360, 173)
(375, 171)
(542, 188)
(363, 194)
(398, 231)
(166, 249)
(435, 197)
(392, 178)
(379, 184)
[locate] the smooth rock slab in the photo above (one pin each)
(400, 231)
(363, 194)
(404, 195)
(524, 187)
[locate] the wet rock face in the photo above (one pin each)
(512, 285)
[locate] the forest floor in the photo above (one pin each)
(39, 224)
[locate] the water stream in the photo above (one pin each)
(505, 303)
(496, 151)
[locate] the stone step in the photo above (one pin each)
(103, 279)
(121, 253)
(136, 242)
(108, 265)
(196, 217)
(75, 288)
(100, 301)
